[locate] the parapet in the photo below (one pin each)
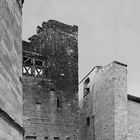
(97, 68)
(60, 26)
(47, 31)
(56, 25)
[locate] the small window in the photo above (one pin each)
(56, 138)
(38, 102)
(86, 86)
(93, 125)
(87, 81)
(87, 90)
(59, 102)
(68, 138)
(46, 138)
(38, 68)
(88, 121)
(27, 65)
(30, 137)
(33, 66)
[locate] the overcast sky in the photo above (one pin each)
(108, 30)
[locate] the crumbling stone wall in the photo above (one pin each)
(10, 71)
(50, 97)
(103, 108)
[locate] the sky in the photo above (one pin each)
(109, 30)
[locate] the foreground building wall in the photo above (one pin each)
(103, 103)
(10, 70)
(50, 82)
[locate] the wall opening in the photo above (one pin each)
(38, 102)
(59, 102)
(86, 86)
(46, 138)
(87, 81)
(30, 137)
(32, 66)
(88, 121)
(93, 127)
(56, 138)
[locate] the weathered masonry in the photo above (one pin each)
(106, 111)
(50, 83)
(10, 70)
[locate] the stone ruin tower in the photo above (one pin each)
(11, 70)
(50, 83)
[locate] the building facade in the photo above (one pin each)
(11, 70)
(50, 83)
(106, 110)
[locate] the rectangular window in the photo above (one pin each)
(86, 86)
(87, 90)
(56, 138)
(33, 66)
(59, 102)
(93, 127)
(38, 67)
(46, 138)
(30, 137)
(27, 65)
(87, 81)
(68, 138)
(88, 121)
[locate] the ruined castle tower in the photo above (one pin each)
(10, 70)
(50, 83)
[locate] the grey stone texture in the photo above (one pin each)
(10, 69)
(56, 45)
(105, 105)
(133, 120)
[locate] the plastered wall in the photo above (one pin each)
(133, 120)
(105, 104)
